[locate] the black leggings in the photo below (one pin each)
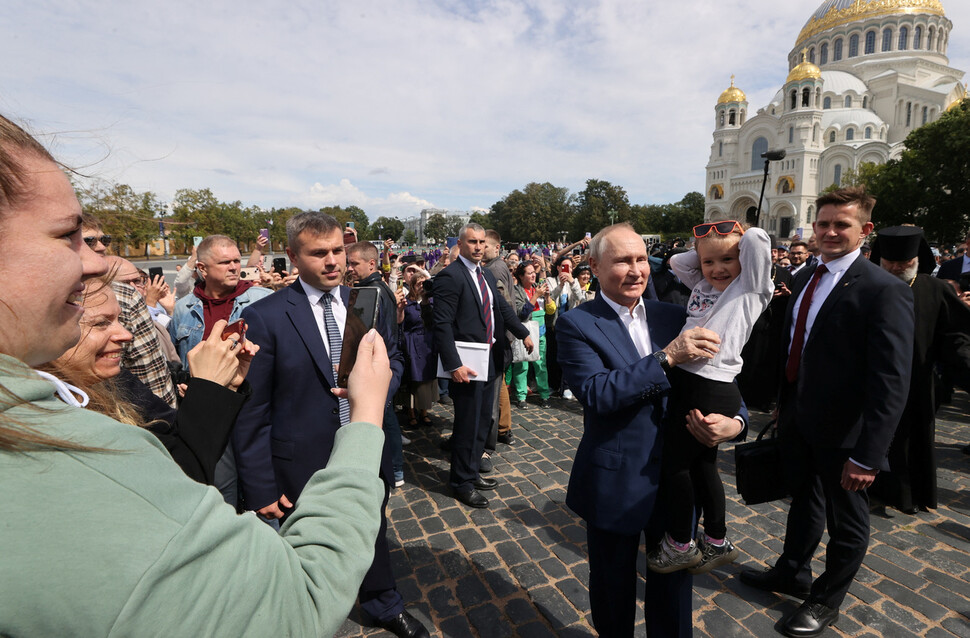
(689, 469)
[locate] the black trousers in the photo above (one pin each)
(613, 589)
(814, 476)
(473, 416)
(689, 475)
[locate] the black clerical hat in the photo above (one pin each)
(902, 243)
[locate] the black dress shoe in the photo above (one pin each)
(810, 619)
(471, 498)
(445, 444)
(486, 484)
(445, 400)
(404, 625)
(507, 439)
(773, 580)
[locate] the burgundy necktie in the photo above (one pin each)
(486, 306)
(798, 340)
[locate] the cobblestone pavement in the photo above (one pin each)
(519, 568)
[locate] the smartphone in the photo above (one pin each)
(589, 235)
(237, 327)
(249, 274)
(155, 271)
(577, 251)
(566, 266)
(196, 241)
(400, 285)
(264, 232)
(279, 265)
(361, 317)
(350, 224)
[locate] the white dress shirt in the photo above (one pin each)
(635, 323)
(826, 284)
(316, 306)
(472, 267)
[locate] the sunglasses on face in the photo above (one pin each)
(93, 241)
(721, 228)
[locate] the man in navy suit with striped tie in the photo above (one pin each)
(468, 307)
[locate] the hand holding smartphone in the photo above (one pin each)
(361, 317)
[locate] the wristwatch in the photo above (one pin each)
(661, 358)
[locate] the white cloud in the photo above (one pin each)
(450, 101)
(344, 193)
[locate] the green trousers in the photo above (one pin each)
(518, 375)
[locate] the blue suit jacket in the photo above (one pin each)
(614, 480)
(286, 430)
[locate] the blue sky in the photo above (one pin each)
(395, 106)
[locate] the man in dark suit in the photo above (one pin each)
(849, 338)
(615, 352)
(956, 267)
(468, 307)
(286, 431)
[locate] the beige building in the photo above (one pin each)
(863, 74)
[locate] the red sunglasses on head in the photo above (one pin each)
(721, 228)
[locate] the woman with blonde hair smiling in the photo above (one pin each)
(102, 533)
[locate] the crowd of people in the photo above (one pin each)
(124, 401)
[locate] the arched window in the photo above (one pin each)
(870, 42)
(832, 137)
(929, 38)
(848, 101)
(811, 55)
(732, 117)
(791, 134)
(827, 102)
(868, 132)
(887, 39)
(918, 37)
(741, 120)
(794, 98)
(759, 146)
(865, 101)
(837, 175)
(903, 38)
(837, 51)
(818, 97)
(854, 45)
(815, 133)
(806, 96)
(720, 149)
(909, 114)
(924, 115)
(721, 119)
(808, 215)
(849, 134)
(823, 53)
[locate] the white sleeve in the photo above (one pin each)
(687, 266)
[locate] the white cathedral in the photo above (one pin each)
(863, 74)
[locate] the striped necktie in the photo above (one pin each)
(336, 343)
(486, 306)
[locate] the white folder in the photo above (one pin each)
(473, 355)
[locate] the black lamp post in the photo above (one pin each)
(769, 157)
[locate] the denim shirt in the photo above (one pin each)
(188, 326)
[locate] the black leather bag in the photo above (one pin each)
(759, 470)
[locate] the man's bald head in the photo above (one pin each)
(124, 271)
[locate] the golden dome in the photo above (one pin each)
(804, 70)
(732, 94)
(834, 13)
(957, 102)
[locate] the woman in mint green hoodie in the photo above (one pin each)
(102, 533)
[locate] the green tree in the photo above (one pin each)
(279, 217)
(538, 212)
(129, 217)
(436, 228)
(929, 185)
(452, 226)
(483, 219)
(384, 227)
(197, 212)
(410, 238)
(594, 205)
